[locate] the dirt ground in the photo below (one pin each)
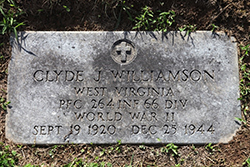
(230, 16)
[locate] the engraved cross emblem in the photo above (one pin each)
(123, 50)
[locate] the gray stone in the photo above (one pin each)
(137, 87)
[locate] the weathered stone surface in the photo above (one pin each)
(137, 87)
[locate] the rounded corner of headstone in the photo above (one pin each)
(10, 135)
(11, 138)
(226, 139)
(233, 39)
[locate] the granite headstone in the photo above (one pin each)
(137, 87)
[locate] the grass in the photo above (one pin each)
(188, 28)
(170, 148)
(247, 162)
(4, 103)
(164, 20)
(244, 82)
(8, 158)
(122, 7)
(144, 20)
(66, 8)
(154, 21)
(10, 21)
(214, 28)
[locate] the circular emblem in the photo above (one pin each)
(123, 51)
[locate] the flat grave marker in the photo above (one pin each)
(137, 87)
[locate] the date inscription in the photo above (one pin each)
(167, 129)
